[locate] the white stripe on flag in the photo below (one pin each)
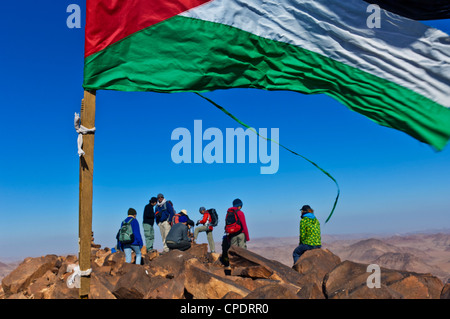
(403, 51)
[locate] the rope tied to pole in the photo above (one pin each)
(81, 130)
(73, 281)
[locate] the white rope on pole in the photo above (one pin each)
(81, 130)
(73, 281)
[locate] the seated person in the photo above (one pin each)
(177, 238)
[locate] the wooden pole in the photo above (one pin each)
(87, 116)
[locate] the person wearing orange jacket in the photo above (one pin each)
(205, 221)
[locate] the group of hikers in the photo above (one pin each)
(175, 229)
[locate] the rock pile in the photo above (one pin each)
(318, 274)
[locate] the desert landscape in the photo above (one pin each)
(422, 252)
(6, 267)
(413, 266)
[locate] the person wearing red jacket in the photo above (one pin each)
(243, 237)
(239, 238)
(205, 221)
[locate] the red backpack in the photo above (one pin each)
(175, 219)
(233, 225)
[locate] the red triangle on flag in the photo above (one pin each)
(109, 21)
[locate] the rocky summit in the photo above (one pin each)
(197, 274)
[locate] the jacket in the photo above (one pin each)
(136, 231)
(164, 212)
(206, 218)
(149, 215)
(178, 233)
(241, 217)
(310, 230)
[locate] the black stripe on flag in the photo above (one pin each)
(416, 9)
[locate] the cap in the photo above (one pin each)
(306, 208)
(237, 202)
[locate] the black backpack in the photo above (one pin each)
(214, 217)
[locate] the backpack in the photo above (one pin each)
(126, 235)
(158, 214)
(171, 204)
(214, 217)
(233, 225)
(175, 219)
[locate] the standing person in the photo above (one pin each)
(177, 238)
(241, 237)
(309, 233)
(135, 244)
(205, 221)
(163, 214)
(147, 224)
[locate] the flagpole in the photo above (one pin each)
(87, 116)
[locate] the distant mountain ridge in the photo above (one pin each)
(6, 268)
(418, 252)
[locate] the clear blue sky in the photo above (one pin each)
(389, 181)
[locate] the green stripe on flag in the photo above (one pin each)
(190, 55)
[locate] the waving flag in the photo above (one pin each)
(398, 75)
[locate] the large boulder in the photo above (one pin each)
(134, 282)
(40, 288)
(166, 288)
(311, 291)
(30, 269)
(115, 261)
(199, 251)
(250, 264)
(349, 281)
(99, 256)
(445, 293)
(169, 264)
(200, 283)
(313, 265)
(100, 287)
(59, 289)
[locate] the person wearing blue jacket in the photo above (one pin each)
(137, 244)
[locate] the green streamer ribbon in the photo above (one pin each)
(289, 150)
